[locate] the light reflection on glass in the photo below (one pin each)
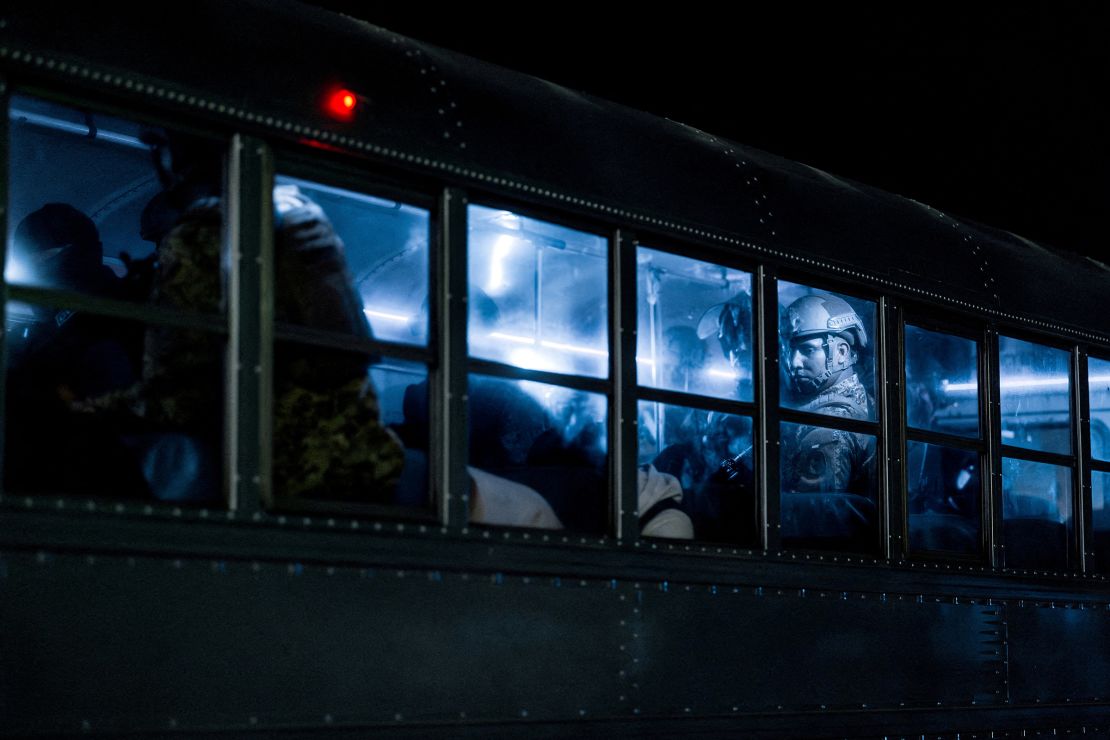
(694, 326)
(941, 382)
(1035, 394)
(538, 294)
(385, 248)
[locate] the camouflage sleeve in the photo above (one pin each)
(331, 445)
(183, 367)
(820, 459)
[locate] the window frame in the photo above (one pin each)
(926, 318)
(347, 174)
(229, 141)
(1073, 461)
(881, 546)
(748, 409)
(619, 516)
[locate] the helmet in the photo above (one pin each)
(59, 245)
(831, 320)
(731, 322)
(821, 315)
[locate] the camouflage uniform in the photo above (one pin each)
(328, 441)
(819, 459)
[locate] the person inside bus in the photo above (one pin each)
(328, 439)
(709, 456)
(58, 358)
(709, 453)
(731, 323)
(825, 336)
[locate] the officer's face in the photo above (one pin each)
(807, 359)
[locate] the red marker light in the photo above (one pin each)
(341, 104)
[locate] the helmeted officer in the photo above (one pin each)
(825, 336)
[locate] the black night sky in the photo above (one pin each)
(996, 113)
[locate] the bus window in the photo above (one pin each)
(355, 265)
(381, 254)
(826, 344)
(129, 213)
(704, 459)
(1098, 375)
(1037, 515)
(1035, 385)
(942, 382)
(90, 205)
(943, 497)
(538, 455)
(829, 491)
(694, 326)
(538, 294)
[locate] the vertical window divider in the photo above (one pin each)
(991, 416)
(449, 412)
(767, 404)
(5, 144)
(1081, 443)
(892, 489)
(249, 243)
(623, 411)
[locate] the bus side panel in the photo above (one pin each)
(768, 649)
(142, 643)
(1058, 653)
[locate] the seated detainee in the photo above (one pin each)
(501, 502)
(658, 506)
(498, 501)
(328, 439)
(59, 358)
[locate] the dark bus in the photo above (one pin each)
(353, 386)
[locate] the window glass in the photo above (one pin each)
(942, 382)
(1100, 519)
(944, 498)
(538, 455)
(694, 326)
(538, 294)
(93, 410)
(335, 247)
(94, 197)
(1037, 512)
(826, 341)
(828, 489)
(1098, 375)
(1035, 386)
(339, 420)
(400, 386)
(703, 461)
